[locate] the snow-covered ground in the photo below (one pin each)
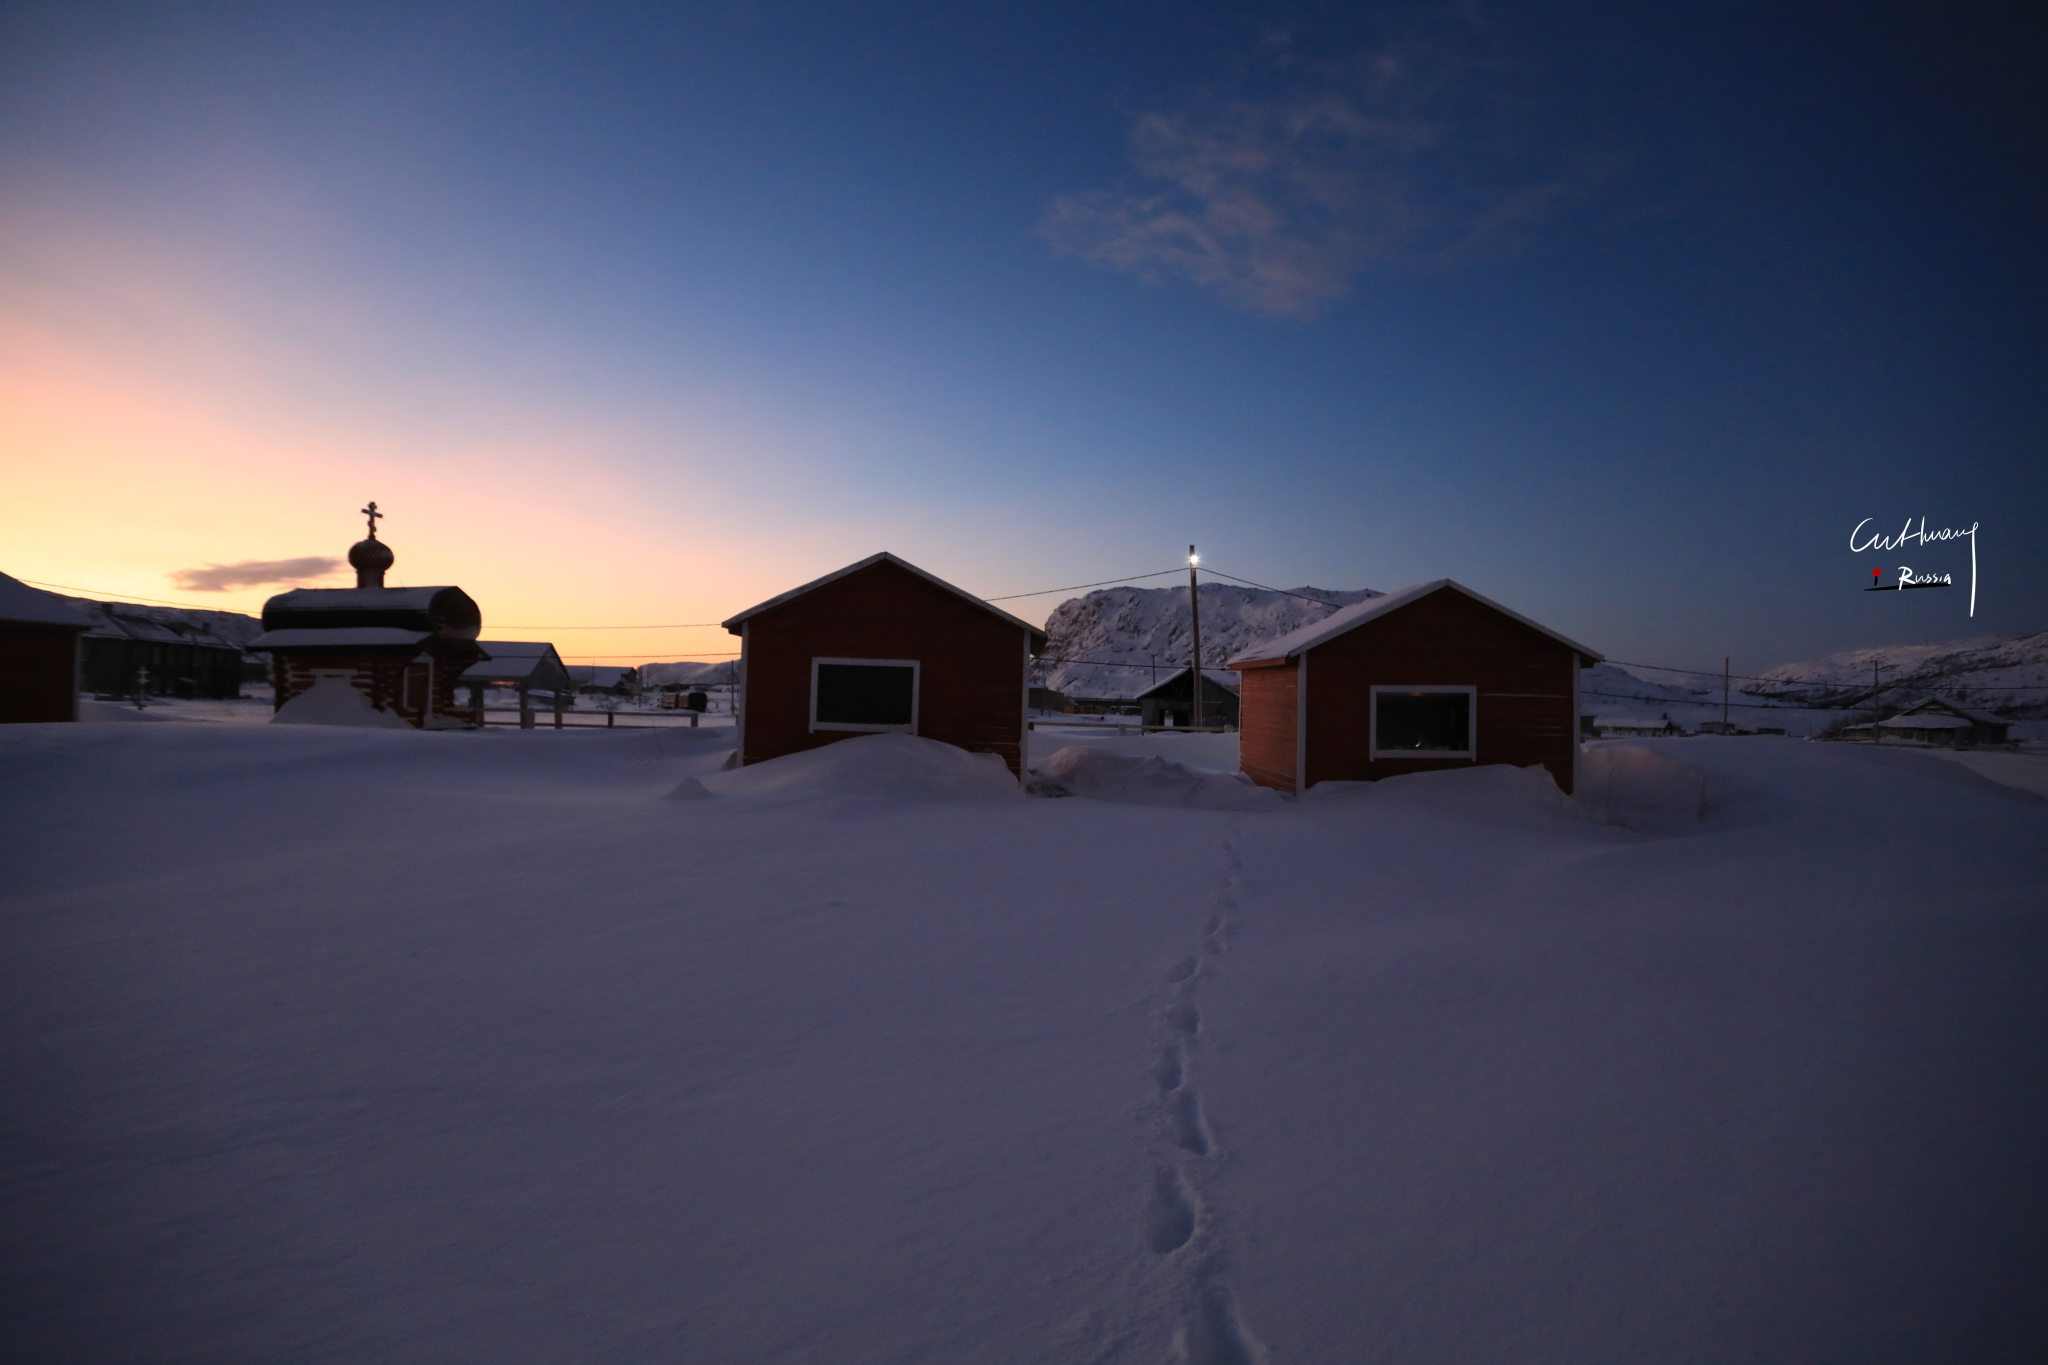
(341, 1044)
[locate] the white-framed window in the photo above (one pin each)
(873, 695)
(1425, 722)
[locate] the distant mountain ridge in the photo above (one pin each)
(2007, 673)
(717, 674)
(1114, 641)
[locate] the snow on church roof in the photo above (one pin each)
(1358, 613)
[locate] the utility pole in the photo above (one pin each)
(1724, 694)
(1195, 606)
(1876, 735)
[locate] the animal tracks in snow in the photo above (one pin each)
(1176, 1227)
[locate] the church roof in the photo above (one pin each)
(340, 637)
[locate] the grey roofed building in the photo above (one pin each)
(531, 665)
(130, 649)
(1946, 723)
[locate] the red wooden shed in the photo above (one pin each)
(881, 646)
(1431, 677)
(38, 654)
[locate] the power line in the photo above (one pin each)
(1284, 592)
(1676, 701)
(1044, 592)
(685, 625)
(97, 594)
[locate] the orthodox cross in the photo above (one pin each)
(373, 514)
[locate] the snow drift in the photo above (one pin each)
(1079, 770)
(333, 701)
(885, 767)
(1642, 789)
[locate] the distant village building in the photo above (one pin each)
(132, 651)
(521, 666)
(38, 654)
(1047, 701)
(1431, 677)
(401, 649)
(1635, 727)
(1173, 702)
(882, 646)
(602, 681)
(1938, 722)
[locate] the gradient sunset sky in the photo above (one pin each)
(1622, 315)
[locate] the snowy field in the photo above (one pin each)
(345, 1045)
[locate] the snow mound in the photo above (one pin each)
(1079, 770)
(117, 712)
(891, 767)
(1493, 792)
(334, 701)
(1643, 790)
(689, 789)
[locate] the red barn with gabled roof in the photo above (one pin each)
(1431, 677)
(882, 646)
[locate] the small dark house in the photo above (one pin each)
(1431, 677)
(881, 646)
(403, 649)
(1173, 702)
(38, 654)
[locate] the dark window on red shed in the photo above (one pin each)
(1432, 721)
(861, 695)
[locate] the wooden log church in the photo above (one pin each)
(401, 649)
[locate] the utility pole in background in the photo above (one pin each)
(1195, 606)
(1724, 694)
(1876, 735)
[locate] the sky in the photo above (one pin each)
(627, 315)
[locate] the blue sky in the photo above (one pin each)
(645, 313)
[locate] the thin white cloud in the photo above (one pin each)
(254, 573)
(1278, 204)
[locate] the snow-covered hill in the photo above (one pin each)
(2005, 673)
(1109, 643)
(695, 674)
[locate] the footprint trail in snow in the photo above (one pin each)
(1178, 1227)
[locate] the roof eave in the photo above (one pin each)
(732, 624)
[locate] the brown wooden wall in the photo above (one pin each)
(38, 672)
(1525, 681)
(394, 680)
(970, 683)
(1266, 724)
